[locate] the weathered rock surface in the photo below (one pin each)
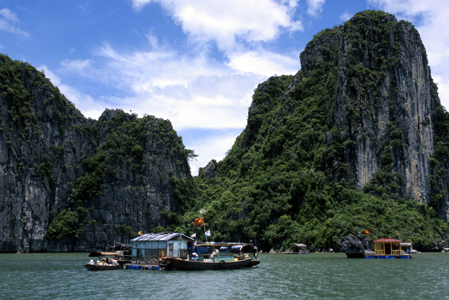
(92, 182)
(384, 104)
(209, 171)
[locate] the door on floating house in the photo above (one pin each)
(170, 250)
(387, 248)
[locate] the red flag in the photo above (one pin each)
(198, 221)
(366, 231)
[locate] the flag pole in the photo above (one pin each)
(202, 212)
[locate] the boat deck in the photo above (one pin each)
(390, 256)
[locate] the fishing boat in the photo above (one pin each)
(106, 261)
(214, 256)
(102, 266)
(175, 263)
(355, 250)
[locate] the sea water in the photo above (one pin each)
(279, 276)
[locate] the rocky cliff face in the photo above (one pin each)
(370, 83)
(68, 183)
(383, 101)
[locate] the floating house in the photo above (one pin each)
(148, 248)
(298, 249)
(388, 248)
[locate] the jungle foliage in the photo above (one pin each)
(284, 182)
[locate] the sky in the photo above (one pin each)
(193, 62)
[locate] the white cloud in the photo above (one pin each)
(190, 91)
(8, 20)
(262, 62)
(76, 65)
(89, 107)
(345, 16)
(226, 21)
(315, 7)
(432, 23)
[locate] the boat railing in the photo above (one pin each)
(393, 252)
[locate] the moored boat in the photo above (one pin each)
(355, 250)
(106, 261)
(102, 267)
(214, 256)
(170, 263)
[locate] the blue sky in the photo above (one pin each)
(194, 62)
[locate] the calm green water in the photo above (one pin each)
(280, 276)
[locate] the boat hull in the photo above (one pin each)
(169, 263)
(252, 264)
(102, 267)
(355, 254)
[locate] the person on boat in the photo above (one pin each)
(195, 256)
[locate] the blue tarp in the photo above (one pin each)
(202, 250)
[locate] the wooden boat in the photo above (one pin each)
(355, 250)
(214, 256)
(119, 256)
(106, 261)
(355, 254)
(102, 267)
(175, 263)
(252, 263)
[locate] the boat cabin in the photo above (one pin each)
(407, 247)
(299, 248)
(226, 251)
(148, 248)
(387, 246)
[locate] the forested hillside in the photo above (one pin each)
(356, 140)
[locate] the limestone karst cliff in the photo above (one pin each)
(68, 183)
(382, 102)
(356, 139)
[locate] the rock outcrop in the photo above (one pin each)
(384, 107)
(383, 103)
(68, 183)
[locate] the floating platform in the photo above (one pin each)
(401, 256)
(138, 267)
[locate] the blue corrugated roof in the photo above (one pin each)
(160, 236)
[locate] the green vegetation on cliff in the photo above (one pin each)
(288, 177)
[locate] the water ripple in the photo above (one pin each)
(279, 276)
